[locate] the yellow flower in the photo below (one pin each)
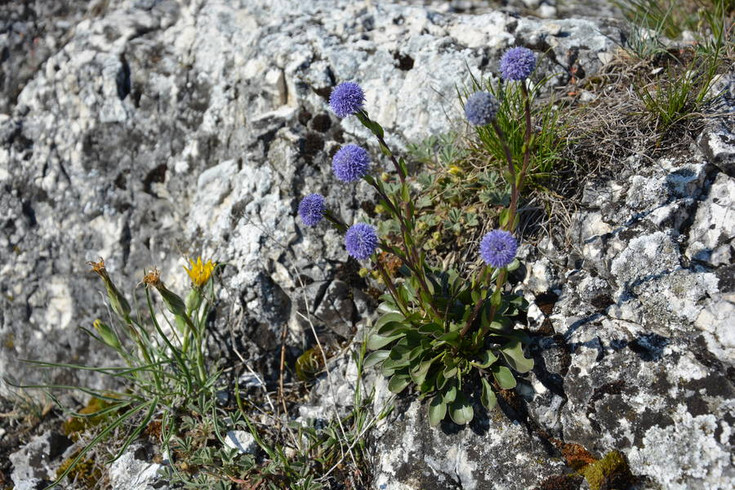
(200, 272)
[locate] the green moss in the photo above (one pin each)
(612, 471)
(86, 472)
(309, 364)
(73, 426)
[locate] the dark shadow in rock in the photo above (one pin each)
(579, 323)
(554, 382)
(726, 278)
(122, 79)
(649, 346)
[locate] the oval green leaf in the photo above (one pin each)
(437, 410)
(398, 383)
(513, 353)
(485, 360)
(388, 318)
(451, 393)
(376, 342)
(460, 410)
(375, 358)
(504, 377)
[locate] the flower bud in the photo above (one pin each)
(107, 335)
(118, 303)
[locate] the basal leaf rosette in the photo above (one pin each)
(428, 354)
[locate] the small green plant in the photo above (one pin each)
(653, 22)
(543, 149)
(299, 456)
(450, 336)
(164, 370)
(679, 80)
(679, 92)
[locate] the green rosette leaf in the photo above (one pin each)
(437, 410)
(504, 377)
(513, 354)
(460, 410)
(488, 398)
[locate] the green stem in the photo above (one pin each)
(516, 184)
(391, 288)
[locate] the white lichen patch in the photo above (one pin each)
(60, 305)
(645, 258)
(716, 321)
(687, 454)
(687, 369)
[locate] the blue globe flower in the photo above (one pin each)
(517, 64)
(481, 108)
(347, 98)
(351, 163)
(311, 209)
(498, 248)
(361, 240)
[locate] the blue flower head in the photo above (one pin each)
(361, 240)
(351, 163)
(311, 209)
(517, 64)
(481, 108)
(498, 248)
(347, 98)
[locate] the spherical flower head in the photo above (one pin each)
(361, 240)
(498, 248)
(517, 64)
(311, 209)
(347, 98)
(481, 108)
(351, 163)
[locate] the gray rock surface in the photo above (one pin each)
(242, 441)
(34, 465)
(134, 471)
(162, 129)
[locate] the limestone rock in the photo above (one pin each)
(35, 463)
(134, 471)
(241, 441)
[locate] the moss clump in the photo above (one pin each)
(309, 364)
(612, 471)
(73, 426)
(86, 472)
(561, 482)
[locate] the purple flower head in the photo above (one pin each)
(498, 248)
(481, 108)
(361, 240)
(351, 163)
(311, 209)
(517, 64)
(346, 99)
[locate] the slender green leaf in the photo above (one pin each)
(99, 437)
